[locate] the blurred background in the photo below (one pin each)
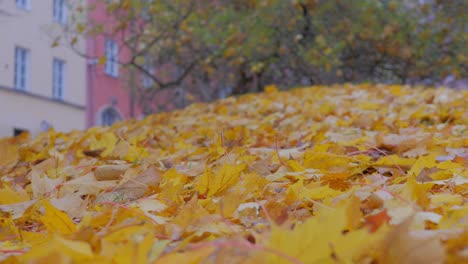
(74, 64)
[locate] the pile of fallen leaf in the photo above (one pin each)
(349, 174)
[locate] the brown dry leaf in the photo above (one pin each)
(110, 172)
(86, 185)
(71, 204)
(17, 210)
(402, 247)
(42, 185)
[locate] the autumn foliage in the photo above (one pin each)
(215, 48)
(349, 174)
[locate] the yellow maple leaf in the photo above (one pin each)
(59, 249)
(10, 196)
(394, 160)
(106, 141)
(7, 226)
(9, 152)
(172, 185)
(327, 162)
(190, 213)
(295, 165)
(320, 239)
(129, 244)
(416, 192)
(421, 163)
(298, 191)
(56, 221)
(211, 183)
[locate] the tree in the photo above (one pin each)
(212, 48)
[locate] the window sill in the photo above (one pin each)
(19, 90)
(24, 9)
(111, 75)
(62, 23)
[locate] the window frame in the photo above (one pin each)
(58, 79)
(145, 14)
(146, 81)
(22, 68)
(60, 11)
(111, 51)
(23, 4)
(109, 116)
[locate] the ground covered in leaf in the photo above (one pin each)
(349, 174)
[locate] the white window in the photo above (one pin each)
(58, 85)
(146, 80)
(60, 11)
(112, 58)
(21, 68)
(23, 4)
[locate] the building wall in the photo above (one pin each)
(28, 112)
(35, 29)
(103, 90)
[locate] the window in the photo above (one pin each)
(23, 4)
(112, 58)
(109, 116)
(60, 11)
(146, 80)
(19, 131)
(21, 69)
(145, 13)
(58, 85)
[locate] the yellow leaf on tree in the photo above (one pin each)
(102, 60)
(271, 88)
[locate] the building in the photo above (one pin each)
(114, 92)
(109, 96)
(40, 86)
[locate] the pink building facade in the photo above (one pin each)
(109, 98)
(113, 93)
